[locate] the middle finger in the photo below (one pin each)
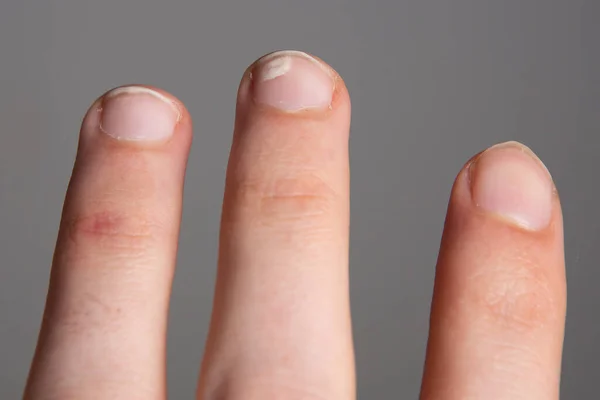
(281, 320)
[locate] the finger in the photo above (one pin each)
(499, 303)
(103, 335)
(281, 321)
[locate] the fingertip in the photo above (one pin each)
(293, 83)
(138, 115)
(508, 182)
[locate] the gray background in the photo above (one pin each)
(432, 83)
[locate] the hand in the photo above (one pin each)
(281, 326)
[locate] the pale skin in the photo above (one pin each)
(281, 323)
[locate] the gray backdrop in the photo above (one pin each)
(432, 83)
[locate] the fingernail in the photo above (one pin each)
(511, 181)
(138, 113)
(292, 81)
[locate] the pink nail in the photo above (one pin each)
(138, 113)
(509, 180)
(292, 81)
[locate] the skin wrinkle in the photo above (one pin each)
(305, 198)
(513, 288)
(107, 224)
(512, 303)
(107, 312)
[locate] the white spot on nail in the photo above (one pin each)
(280, 62)
(276, 67)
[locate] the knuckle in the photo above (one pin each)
(115, 228)
(516, 294)
(302, 199)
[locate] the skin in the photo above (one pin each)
(281, 326)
